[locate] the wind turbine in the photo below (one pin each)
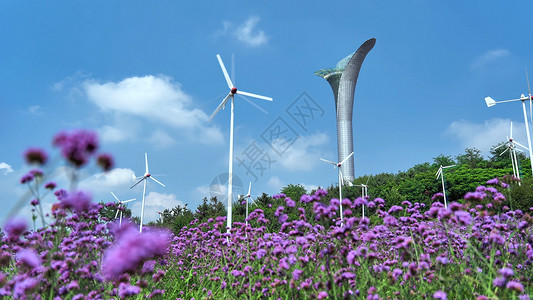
(119, 208)
(511, 147)
(160, 216)
(440, 173)
(145, 179)
(364, 192)
(248, 197)
(341, 178)
(231, 95)
(490, 102)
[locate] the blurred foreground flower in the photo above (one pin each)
(131, 249)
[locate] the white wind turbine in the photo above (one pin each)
(145, 179)
(440, 173)
(119, 208)
(231, 95)
(341, 178)
(490, 102)
(511, 147)
(364, 193)
(248, 197)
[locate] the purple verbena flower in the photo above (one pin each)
(440, 295)
(29, 258)
(131, 249)
(36, 156)
(105, 161)
(15, 227)
(515, 286)
(78, 201)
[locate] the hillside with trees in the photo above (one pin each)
(416, 185)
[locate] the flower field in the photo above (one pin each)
(477, 249)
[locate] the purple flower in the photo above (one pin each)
(126, 290)
(395, 208)
(306, 199)
(390, 221)
(24, 286)
(50, 185)
(493, 181)
(29, 258)
(34, 202)
(26, 178)
(475, 196)
(515, 286)
(499, 281)
(322, 295)
(36, 156)
(131, 249)
(440, 295)
(78, 201)
(15, 227)
(506, 272)
(260, 253)
(105, 161)
(437, 196)
(289, 202)
(296, 274)
(77, 146)
(463, 217)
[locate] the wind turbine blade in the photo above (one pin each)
(439, 172)
(138, 182)
(146, 161)
(254, 105)
(233, 68)
(115, 196)
(228, 80)
(449, 166)
(489, 101)
(254, 95)
(129, 200)
(511, 132)
(157, 181)
(329, 161)
(499, 146)
(515, 142)
(346, 158)
(530, 99)
(504, 151)
(116, 215)
(249, 189)
(222, 104)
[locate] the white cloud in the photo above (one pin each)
(275, 183)
(112, 134)
(489, 57)
(246, 32)
(115, 179)
(155, 202)
(5, 168)
(35, 110)
(161, 139)
(487, 134)
(304, 154)
(156, 99)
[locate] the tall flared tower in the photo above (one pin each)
(343, 79)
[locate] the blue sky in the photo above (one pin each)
(145, 77)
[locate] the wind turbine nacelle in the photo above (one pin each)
(234, 90)
(490, 102)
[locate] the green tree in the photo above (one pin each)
(472, 158)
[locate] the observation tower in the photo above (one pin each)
(343, 79)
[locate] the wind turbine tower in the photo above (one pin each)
(343, 79)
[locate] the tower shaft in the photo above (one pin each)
(342, 80)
